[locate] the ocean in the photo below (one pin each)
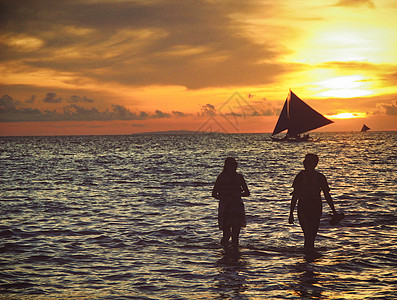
(131, 217)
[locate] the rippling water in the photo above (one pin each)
(131, 217)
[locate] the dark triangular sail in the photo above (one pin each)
(365, 128)
(298, 117)
(282, 123)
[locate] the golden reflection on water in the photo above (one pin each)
(306, 283)
(232, 279)
(139, 221)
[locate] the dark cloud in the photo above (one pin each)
(355, 3)
(208, 110)
(389, 109)
(10, 112)
(178, 114)
(177, 42)
(6, 102)
(143, 115)
(77, 99)
(52, 98)
(161, 115)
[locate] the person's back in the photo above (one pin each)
(228, 189)
(229, 186)
(308, 185)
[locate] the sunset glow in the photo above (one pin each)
(347, 116)
(163, 65)
(345, 87)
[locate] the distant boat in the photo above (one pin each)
(365, 128)
(297, 117)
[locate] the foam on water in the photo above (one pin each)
(108, 217)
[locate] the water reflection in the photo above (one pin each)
(144, 214)
(306, 283)
(232, 283)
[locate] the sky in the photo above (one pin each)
(129, 66)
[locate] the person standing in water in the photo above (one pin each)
(308, 185)
(229, 187)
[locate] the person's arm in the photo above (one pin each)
(327, 195)
(292, 208)
(215, 190)
(244, 188)
(329, 200)
(295, 197)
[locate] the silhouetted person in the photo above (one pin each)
(308, 185)
(229, 187)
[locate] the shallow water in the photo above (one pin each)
(131, 217)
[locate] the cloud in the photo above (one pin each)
(388, 109)
(161, 115)
(195, 44)
(77, 99)
(52, 98)
(208, 110)
(6, 102)
(10, 112)
(178, 113)
(391, 77)
(355, 3)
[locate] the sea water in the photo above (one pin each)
(131, 217)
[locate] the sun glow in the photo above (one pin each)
(345, 87)
(347, 115)
(343, 43)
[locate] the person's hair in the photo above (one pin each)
(311, 160)
(230, 165)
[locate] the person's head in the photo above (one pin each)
(230, 165)
(310, 162)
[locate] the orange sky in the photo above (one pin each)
(121, 67)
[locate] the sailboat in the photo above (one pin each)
(365, 128)
(297, 117)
